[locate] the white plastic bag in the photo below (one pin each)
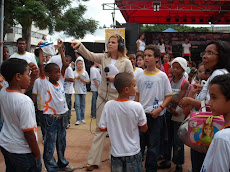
(48, 48)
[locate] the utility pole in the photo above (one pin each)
(1, 31)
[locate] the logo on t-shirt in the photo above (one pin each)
(148, 84)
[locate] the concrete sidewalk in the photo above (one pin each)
(79, 139)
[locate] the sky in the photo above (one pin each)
(96, 12)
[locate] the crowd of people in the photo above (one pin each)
(141, 99)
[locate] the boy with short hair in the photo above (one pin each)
(154, 93)
(218, 155)
(122, 118)
(18, 138)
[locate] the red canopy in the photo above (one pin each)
(175, 11)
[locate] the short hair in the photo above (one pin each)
(224, 84)
(20, 39)
(140, 53)
(122, 80)
(5, 47)
(223, 48)
(69, 57)
(11, 67)
(49, 67)
(155, 49)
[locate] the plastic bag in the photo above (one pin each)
(48, 48)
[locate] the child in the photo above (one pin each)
(218, 155)
(174, 116)
(68, 87)
(122, 118)
(55, 112)
(18, 138)
(81, 79)
(95, 78)
(166, 65)
(154, 93)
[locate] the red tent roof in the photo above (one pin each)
(175, 11)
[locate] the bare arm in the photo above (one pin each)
(64, 63)
(138, 45)
(40, 63)
(34, 98)
(143, 128)
(33, 144)
(69, 79)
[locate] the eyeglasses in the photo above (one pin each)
(209, 53)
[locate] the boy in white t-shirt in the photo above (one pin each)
(218, 155)
(55, 113)
(81, 79)
(18, 137)
(95, 78)
(154, 93)
(122, 117)
(68, 87)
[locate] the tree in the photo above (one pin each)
(56, 15)
(177, 27)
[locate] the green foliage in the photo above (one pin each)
(56, 15)
(178, 28)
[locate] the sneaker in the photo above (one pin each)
(83, 121)
(91, 167)
(68, 126)
(78, 122)
(164, 165)
(68, 168)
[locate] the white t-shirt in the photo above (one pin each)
(142, 45)
(39, 92)
(186, 48)
(204, 93)
(68, 86)
(29, 57)
(153, 88)
(162, 47)
(121, 119)
(137, 70)
(55, 102)
(94, 74)
(80, 87)
(18, 114)
(218, 155)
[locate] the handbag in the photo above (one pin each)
(198, 129)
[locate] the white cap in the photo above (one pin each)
(182, 62)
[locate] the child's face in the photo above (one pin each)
(132, 58)
(132, 89)
(211, 57)
(55, 74)
(79, 65)
(68, 60)
(150, 59)
(208, 130)
(218, 103)
(177, 70)
(24, 81)
(166, 58)
(201, 73)
(140, 62)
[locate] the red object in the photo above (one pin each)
(175, 11)
(166, 66)
(162, 107)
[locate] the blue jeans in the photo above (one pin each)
(127, 163)
(93, 105)
(1, 124)
(174, 141)
(42, 122)
(80, 106)
(21, 162)
(55, 137)
(69, 104)
(153, 134)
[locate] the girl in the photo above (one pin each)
(186, 49)
(81, 79)
(140, 60)
(141, 42)
(161, 45)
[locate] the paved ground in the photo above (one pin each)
(79, 139)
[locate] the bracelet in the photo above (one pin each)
(161, 107)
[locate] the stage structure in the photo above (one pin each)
(173, 11)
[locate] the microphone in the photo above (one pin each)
(106, 70)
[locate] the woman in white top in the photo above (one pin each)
(141, 42)
(162, 47)
(186, 50)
